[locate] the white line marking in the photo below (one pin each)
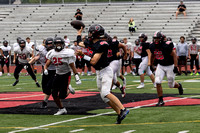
(77, 130)
(130, 131)
(184, 131)
(85, 117)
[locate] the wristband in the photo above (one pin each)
(4, 57)
(8, 56)
(86, 57)
(79, 39)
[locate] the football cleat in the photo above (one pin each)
(197, 74)
(180, 89)
(44, 105)
(15, 82)
(160, 103)
(122, 89)
(140, 86)
(72, 90)
(37, 84)
(61, 112)
(123, 114)
(9, 74)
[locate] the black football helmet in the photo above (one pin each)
(108, 38)
(169, 39)
(49, 43)
(96, 31)
(143, 37)
(18, 38)
(22, 43)
(59, 44)
(5, 43)
(194, 40)
(137, 42)
(157, 37)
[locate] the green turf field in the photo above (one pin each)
(167, 119)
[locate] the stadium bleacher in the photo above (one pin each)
(40, 22)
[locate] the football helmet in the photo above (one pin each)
(59, 44)
(95, 31)
(157, 37)
(169, 39)
(137, 42)
(22, 43)
(194, 40)
(107, 37)
(49, 43)
(5, 43)
(143, 37)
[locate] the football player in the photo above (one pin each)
(24, 54)
(46, 79)
(5, 55)
(104, 72)
(167, 64)
(63, 59)
(146, 61)
(114, 59)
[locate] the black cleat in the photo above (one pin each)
(38, 85)
(160, 103)
(123, 114)
(44, 105)
(15, 82)
(180, 89)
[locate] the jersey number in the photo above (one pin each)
(57, 61)
(159, 55)
(22, 56)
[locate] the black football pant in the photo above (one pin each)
(192, 60)
(18, 69)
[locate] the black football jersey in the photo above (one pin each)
(162, 53)
(144, 46)
(112, 51)
(99, 47)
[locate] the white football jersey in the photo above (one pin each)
(23, 54)
(42, 52)
(29, 44)
(5, 50)
(15, 45)
(61, 59)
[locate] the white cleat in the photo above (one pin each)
(1, 74)
(72, 90)
(140, 86)
(125, 73)
(133, 73)
(114, 87)
(154, 85)
(61, 112)
(8, 74)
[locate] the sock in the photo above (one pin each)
(160, 98)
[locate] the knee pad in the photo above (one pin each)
(157, 80)
(103, 97)
(62, 96)
(171, 84)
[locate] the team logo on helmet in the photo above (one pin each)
(97, 28)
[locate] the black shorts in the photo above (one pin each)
(60, 85)
(78, 63)
(83, 62)
(182, 60)
(3, 62)
(47, 82)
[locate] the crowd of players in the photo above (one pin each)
(106, 55)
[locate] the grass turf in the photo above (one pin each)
(171, 119)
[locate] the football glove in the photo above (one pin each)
(77, 79)
(26, 66)
(46, 72)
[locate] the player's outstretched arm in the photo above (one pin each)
(34, 59)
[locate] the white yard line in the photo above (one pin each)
(92, 116)
(21, 97)
(77, 130)
(130, 131)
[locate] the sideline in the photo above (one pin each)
(92, 116)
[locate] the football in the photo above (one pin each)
(77, 24)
